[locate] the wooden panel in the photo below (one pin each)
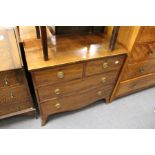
(81, 99)
(51, 76)
(10, 57)
(142, 52)
(147, 34)
(59, 90)
(136, 84)
(104, 65)
(11, 78)
(139, 69)
(13, 95)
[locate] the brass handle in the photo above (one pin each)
(6, 82)
(105, 65)
(58, 105)
(141, 70)
(60, 74)
(11, 95)
(103, 80)
(116, 62)
(99, 93)
(57, 91)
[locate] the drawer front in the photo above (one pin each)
(57, 90)
(73, 102)
(142, 52)
(10, 108)
(130, 86)
(104, 65)
(51, 76)
(147, 34)
(14, 95)
(11, 78)
(139, 69)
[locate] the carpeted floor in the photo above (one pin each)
(135, 111)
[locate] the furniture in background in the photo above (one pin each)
(139, 70)
(80, 70)
(15, 98)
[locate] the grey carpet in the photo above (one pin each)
(134, 112)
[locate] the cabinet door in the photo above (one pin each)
(9, 51)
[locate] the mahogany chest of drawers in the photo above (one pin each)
(80, 71)
(15, 97)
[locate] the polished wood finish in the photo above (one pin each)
(138, 73)
(68, 80)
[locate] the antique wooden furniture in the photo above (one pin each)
(80, 70)
(139, 71)
(15, 97)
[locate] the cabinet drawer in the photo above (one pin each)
(64, 73)
(57, 90)
(142, 52)
(147, 34)
(14, 95)
(104, 65)
(130, 86)
(139, 69)
(10, 108)
(73, 102)
(11, 78)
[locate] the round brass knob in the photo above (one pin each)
(103, 80)
(105, 65)
(99, 93)
(57, 91)
(116, 62)
(6, 82)
(12, 96)
(58, 105)
(60, 74)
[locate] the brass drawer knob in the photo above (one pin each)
(99, 93)
(6, 82)
(141, 70)
(58, 105)
(105, 65)
(57, 91)
(103, 80)
(116, 62)
(11, 95)
(60, 74)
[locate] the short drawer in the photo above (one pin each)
(139, 69)
(104, 65)
(73, 102)
(11, 78)
(57, 90)
(10, 108)
(14, 95)
(59, 74)
(142, 52)
(127, 87)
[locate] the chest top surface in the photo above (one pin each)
(68, 49)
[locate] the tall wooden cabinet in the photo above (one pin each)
(139, 71)
(15, 97)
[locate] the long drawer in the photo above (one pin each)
(11, 78)
(14, 95)
(103, 65)
(57, 90)
(129, 86)
(139, 69)
(72, 102)
(59, 74)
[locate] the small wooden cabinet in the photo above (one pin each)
(15, 97)
(139, 70)
(81, 70)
